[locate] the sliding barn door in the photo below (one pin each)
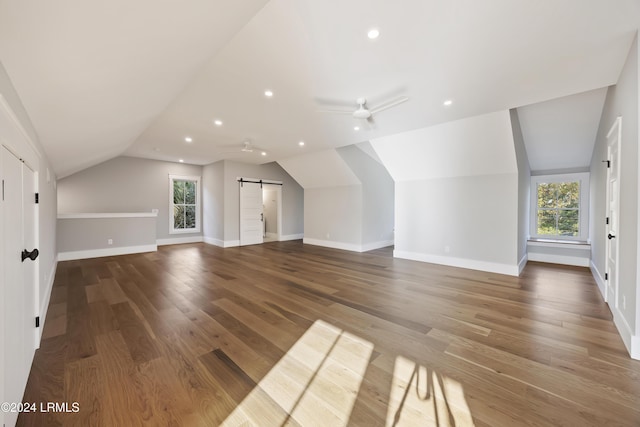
(251, 215)
(19, 335)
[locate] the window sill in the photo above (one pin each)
(556, 243)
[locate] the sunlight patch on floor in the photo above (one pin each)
(421, 396)
(314, 384)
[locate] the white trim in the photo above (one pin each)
(559, 259)
(583, 179)
(179, 240)
(623, 329)
(213, 241)
(108, 215)
(376, 245)
(569, 245)
(198, 227)
(222, 243)
(635, 347)
(44, 305)
(286, 237)
(97, 253)
(271, 235)
(523, 263)
(471, 264)
(331, 244)
(347, 246)
(599, 280)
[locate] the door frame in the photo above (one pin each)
(275, 183)
(611, 294)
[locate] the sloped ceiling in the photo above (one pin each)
(320, 169)
(560, 134)
(103, 79)
(479, 145)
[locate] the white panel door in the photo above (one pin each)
(251, 214)
(613, 205)
(30, 266)
(18, 305)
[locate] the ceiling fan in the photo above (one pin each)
(363, 112)
(246, 147)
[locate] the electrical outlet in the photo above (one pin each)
(155, 211)
(110, 242)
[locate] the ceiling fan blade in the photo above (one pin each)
(389, 104)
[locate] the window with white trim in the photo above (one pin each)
(184, 204)
(560, 206)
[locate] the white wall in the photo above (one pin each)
(213, 203)
(622, 100)
(292, 199)
(378, 195)
(348, 198)
(456, 193)
(524, 188)
(125, 184)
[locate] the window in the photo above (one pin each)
(560, 206)
(184, 204)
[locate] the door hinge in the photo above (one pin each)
(37, 198)
(37, 321)
(3, 189)
(606, 276)
(607, 220)
(608, 162)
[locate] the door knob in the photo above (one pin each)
(31, 255)
(611, 236)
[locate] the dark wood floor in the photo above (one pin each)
(286, 334)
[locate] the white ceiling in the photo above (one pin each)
(560, 134)
(100, 79)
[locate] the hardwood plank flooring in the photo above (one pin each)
(286, 334)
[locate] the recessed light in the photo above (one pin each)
(268, 93)
(447, 103)
(356, 128)
(181, 161)
(373, 33)
(301, 143)
(188, 139)
(264, 153)
(217, 122)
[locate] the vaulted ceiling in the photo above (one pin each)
(101, 79)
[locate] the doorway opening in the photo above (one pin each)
(260, 211)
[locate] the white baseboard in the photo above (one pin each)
(230, 243)
(635, 347)
(44, 305)
(624, 330)
(331, 244)
(286, 237)
(271, 235)
(376, 245)
(522, 264)
(213, 241)
(602, 286)
(179, 240)
(559, 259)
(97, 253)
(471, 264)
(347, 246)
